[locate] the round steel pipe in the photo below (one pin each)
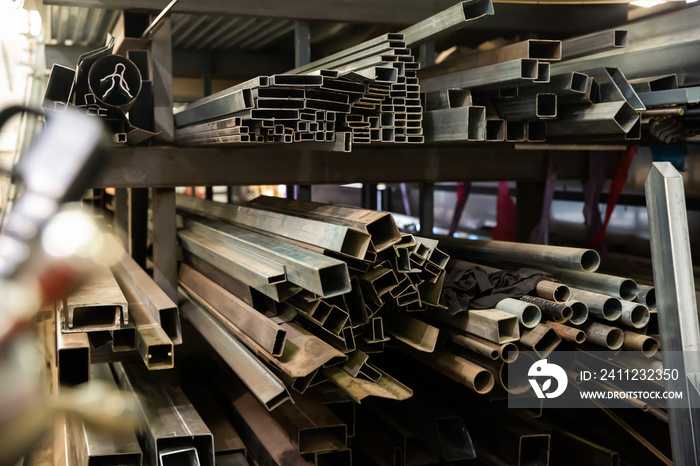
(457, 368)
(558, 311)
(634, 314)
(618, 287)
(567, 333)
(579, 311)
(604, 335)
(115, 81)
(478, 347)
(600, 305)
(646, 296)
(637, 342)
(529, 315)
(532, 255)
(553, 291)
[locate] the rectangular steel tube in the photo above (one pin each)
(169, 423)
(326, 235)
(455, 124)
(562, 85)
(604, 118)
(103, 448)
(258, 327)
(149, 294)
(259, 379)
(380, 225)
(527, 107)
(491, 76)
(72, 357)
(593, 43)
(267, 443)
(320, 274)
(447, 21)
(226, 104)
(496, 326)
(687, 95)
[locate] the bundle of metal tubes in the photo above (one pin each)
(603, 87)
(367, 93)
(329, 306)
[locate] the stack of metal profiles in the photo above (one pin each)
(367, 93)
(329, 307)
(603, 87)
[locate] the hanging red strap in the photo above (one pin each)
(505, 215)
(616, 186)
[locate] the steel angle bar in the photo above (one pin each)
(317, 273)
(358, 389)
(541, 339)
(677, 306)
(447, 21)
(225, 104)
(319, 64)
(267, 334)
(380, 225)
(103, 448)
(686, 95)
(527, 107)
(593, 43)
(378, 282)
(603, 118)
(145, 291)
(562, 85)
(326, 235)
(72, 357)
(311, 425)
(266, 441)
(413, 332)
(266, 387)
(492, 76)
(465, 372)
(613, 86)
(97, 305)
(455, 124)
(171, 429)
(357, 366)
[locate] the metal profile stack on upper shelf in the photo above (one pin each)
(259, 286)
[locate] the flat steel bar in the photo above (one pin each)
(413, 332)
(455, 124)
(317, 273)
(259, 379)
(447, 21)
(103, 448)
(677, 306)
(145, 291)
(326, 235)
(593, 43)
(262, 330)
(170, 426)
(97, 305)
(492, 76)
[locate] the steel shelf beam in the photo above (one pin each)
(161, 167)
